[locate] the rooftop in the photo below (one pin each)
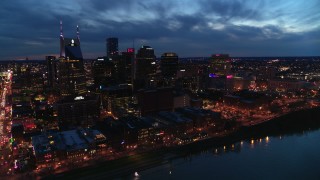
(66, 140)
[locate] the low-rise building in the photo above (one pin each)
(200, 117)
(72, 144)
(285, 85)
(78, 111)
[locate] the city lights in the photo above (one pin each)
(75, 113)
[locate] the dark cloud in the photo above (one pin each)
(190, 28)
(233, 9)
(98, 5)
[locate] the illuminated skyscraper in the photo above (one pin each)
(112, 47)
(99, 71)
(52, 71)
(169, 64)
(219, 72)
(220, 65)
(127, 59)
(71, 75)
(102, 71)
(145, 67)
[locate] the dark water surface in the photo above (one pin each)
(283, 157)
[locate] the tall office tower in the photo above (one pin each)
(145, 68)
(52, 71)
(71, 76)
(169, 65)
(99, 71)
(112, 47)
(127, 59)
(220, 65)
(219, 72)
(102, 71)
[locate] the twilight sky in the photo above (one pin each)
(30, 28)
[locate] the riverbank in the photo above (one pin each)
(295, 122)
(291, 123)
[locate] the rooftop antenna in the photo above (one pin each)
(143, 42)
(133, 44)
(61, 31)
(78, 34)
(62, 53)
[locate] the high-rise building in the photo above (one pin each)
(127, 59)
(105, 71)
(155, 100)
(119, 100)
(71, 76)
(75, 111)
(220, 65)
(145, 67)
(99, 71)
(52, 71)
(169, 65)
(219, 72)
(112, 47)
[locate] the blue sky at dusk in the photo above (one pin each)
(30, 28)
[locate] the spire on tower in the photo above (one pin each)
(78, 34)
(62, 52)
(61, 32)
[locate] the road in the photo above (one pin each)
(117, 168)
(5, 127)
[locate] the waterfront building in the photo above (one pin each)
(130, 132)
(67, 145)
(177, 124)
(247, 100)
(200, 117)
(136, 132)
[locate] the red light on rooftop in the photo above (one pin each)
(229, 76)
(130, 50)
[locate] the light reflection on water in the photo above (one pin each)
(280, 154)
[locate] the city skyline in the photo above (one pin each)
(188, 28)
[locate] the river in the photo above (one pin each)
(283, 157)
